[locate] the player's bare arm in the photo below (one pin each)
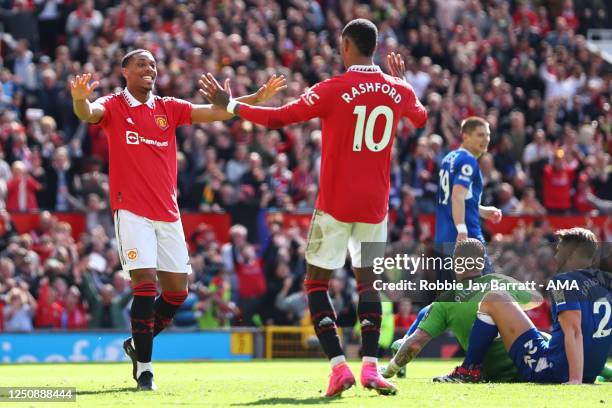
(570, 321)
(81, 90)
(490, 213)
(220, 96)
(458, 196)
(410, 348)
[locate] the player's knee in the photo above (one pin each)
(315, 273)
(142, 275)
(494, 300)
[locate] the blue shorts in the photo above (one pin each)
(535, 361)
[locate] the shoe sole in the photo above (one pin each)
(126, 350)
(380, 390)
(345, 387)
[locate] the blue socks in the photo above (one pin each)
(483, 333)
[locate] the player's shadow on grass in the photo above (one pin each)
(278, 401)
(106, 391)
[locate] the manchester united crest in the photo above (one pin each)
(161, 121)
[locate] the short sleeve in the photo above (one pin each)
(562, 294)
(105, 101)
(465, 171)
(434, 322)
(180, 111)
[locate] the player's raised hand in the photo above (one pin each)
(274, 85)
(396, 65)
(80, 88)
(211, 90)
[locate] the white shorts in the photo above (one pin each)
(328, 240)
(144, 243)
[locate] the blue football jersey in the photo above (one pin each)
(592, 295)
(458, 167)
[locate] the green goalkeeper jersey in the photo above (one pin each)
(457, 311)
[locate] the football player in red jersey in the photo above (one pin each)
(359, 112)
(140, 127)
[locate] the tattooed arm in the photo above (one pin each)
(410, 348)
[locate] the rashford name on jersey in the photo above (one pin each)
(366, 87)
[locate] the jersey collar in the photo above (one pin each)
(366, 69)
(467, 151)
(133, 102)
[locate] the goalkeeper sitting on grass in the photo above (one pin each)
(456, 311)
(458, 316)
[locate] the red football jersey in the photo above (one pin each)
(142, 153)
(359, 111)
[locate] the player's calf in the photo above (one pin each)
(165, 308)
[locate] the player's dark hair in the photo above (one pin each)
(126, 59)
(583, 241)
(473, 249)
(470, 124)
(364, 35)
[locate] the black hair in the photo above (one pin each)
(364, 35)
(126, 59)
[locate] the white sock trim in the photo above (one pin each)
(485, 318)
(367, 359)
(337, 360)
(142, 367)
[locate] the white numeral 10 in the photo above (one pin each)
(361, 113)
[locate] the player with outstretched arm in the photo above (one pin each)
(140, 127)
(359, 112)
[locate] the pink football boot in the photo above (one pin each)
(372, 380)
(340, 380)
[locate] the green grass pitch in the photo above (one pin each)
(283, 384)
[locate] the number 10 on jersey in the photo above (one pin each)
(365, 128)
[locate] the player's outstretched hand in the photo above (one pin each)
(211, 90)
(80, 88)
(397, 68)
(274, 85)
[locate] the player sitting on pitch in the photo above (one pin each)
(582, 332)
(459, 315)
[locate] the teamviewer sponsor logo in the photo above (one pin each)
(132, 138)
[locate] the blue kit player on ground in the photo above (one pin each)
(460, 186)
(582, 331)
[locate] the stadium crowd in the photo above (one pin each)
(523, 65)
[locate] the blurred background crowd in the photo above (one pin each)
(523, 65)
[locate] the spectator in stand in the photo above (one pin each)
(529, 204)
(21, 189)
(106, 308)
(252, 281)
(557, 184)
(73, 316)
(405, 316)
(50, 309)
(506, 201)
(61, 179)
(17, 313)
(580, 197)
